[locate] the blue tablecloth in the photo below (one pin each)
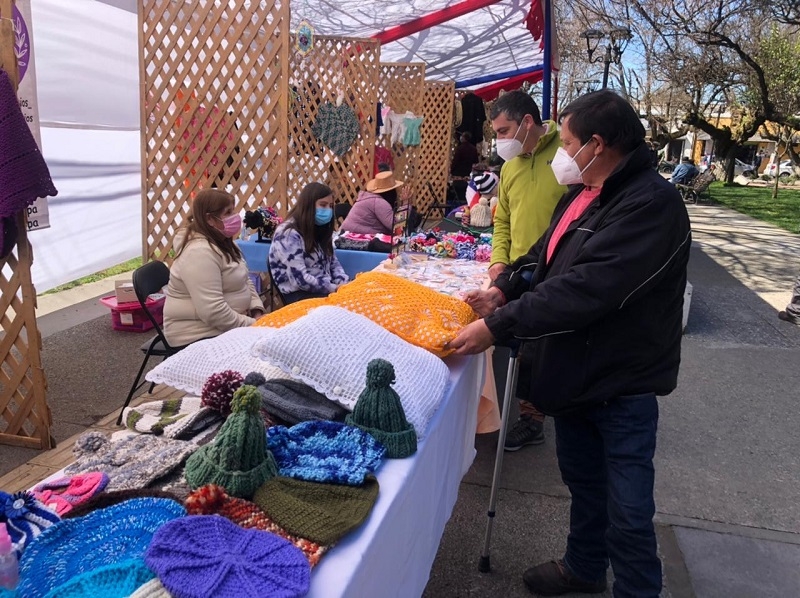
(353, 262)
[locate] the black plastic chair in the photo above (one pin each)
(148, 279)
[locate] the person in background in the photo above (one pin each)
(209, 290)
(684, 172)
(373, 212)
(302, 262)
(792, 312)
(465, 157)
(527, 194)
(614, 256)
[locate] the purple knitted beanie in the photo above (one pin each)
(207, 555)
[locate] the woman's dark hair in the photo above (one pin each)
(210, 202)
(390, 196)
(607, 114)
(301, 218)
(515, 105)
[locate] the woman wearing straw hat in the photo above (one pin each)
(373, 212)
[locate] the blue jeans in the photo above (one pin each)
(606, 459)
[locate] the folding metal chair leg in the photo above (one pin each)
(135, 386)
(484, 565)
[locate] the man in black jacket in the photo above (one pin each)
(601, 315)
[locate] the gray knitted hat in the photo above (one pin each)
(380, 413)
(293, 402)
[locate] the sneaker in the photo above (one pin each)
(553, 579)
(787, 317)
(525, 431)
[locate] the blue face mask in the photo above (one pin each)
(323, 216)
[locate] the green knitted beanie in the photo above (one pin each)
(379, 412)
(238, 460)
(317, 511)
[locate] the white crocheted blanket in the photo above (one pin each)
(189, 369)
(330, 347)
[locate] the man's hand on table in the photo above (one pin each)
(484, 302)
(496, 270)
(473, 338)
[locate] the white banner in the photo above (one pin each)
(38, 213)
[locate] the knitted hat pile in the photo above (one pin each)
(238, 460)
(107, 499)
(379, 412)
(293, 402)
(25, 517)
(213, 500)
(323, 513)
(207, 555)
(322, 451)
(75, 546)
(64, 493)
(117, 580)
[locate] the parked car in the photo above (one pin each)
(785, 170)
(739, 167)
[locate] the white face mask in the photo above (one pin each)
(508, 149)
(566, 169)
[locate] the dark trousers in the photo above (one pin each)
(606, 459)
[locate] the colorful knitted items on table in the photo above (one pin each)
(213, 500)
(323, 513)
(117, 580)
(130, 463)
(238, 459)
(24, 176)
(174, 418)
(25, 517)
(218, 390)
(207, 555)
(323, 451)
(293, 402)
(107, 499)
(459, 245)
(379, 412)
(75, 546)
(336, 126)
(62, 494)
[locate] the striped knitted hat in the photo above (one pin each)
(323, 513)
(172, 418)
(213, 500)
(238, 460)
(63, 494)
(193, 557)
(25, 517)
(379, 412)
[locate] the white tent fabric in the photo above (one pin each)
(87, 77)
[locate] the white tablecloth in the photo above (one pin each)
(391, 554)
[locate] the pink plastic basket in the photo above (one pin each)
(130, 317)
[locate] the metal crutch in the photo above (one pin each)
(484, 565)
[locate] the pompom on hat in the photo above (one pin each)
(117, 580)
(25, 517)
(219, 389)
(238, 460)
(379, 412)
(207, 555)
(323, 513)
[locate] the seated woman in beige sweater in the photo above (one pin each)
(209, 290)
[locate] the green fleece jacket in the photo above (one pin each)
(528, 194)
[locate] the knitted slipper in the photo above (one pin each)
(64, 493)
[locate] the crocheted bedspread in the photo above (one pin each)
(445, 275)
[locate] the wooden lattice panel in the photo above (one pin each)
(215, 97)
(433, 163)
(335, 63)
(402, 88)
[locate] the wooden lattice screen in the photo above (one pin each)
(402, 88)
(24, 415)
(433, 162)
(214, 91)
(335, 64)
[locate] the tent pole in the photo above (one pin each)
(548, 61)
(431, 20)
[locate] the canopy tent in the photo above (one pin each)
(88, 77)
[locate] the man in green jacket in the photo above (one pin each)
(528, 194)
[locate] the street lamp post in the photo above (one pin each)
(619, 38)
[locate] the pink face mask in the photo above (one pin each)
(231, 225)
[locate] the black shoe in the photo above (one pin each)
(787, 317)
(524, 432)
(553, 579)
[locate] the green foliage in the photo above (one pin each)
(779, 56)
(128, 266)
(758, 203)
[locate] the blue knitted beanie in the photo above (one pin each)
(207, 555)
(74, 546)
(25, 517)
(118, 580)
(325, 451)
